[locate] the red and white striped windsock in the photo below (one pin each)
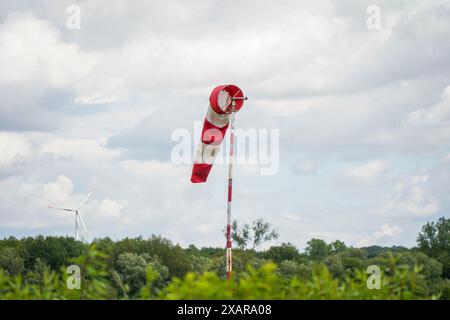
(223, 100)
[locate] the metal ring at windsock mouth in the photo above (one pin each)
(227, 98)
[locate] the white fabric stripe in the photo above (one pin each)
(223, 100)
(206, 153)
(219, 120)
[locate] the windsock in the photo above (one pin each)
(223, 100)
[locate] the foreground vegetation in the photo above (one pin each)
(155, 268)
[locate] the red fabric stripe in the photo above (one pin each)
(213, 99)
(200, 172)
(230, 190)
(212, 134)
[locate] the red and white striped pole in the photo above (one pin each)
(230, 194)
(234, 109)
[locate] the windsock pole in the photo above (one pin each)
(230, 194)
(224, 102)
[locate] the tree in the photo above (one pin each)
(353, 259)
(435, 237)
(337, 246)
(286, 251)
(434, 241)
(11, 261)
(172, 256)
(200, 264)
(431, 268)
(37, 274)
(132, 269)
(240, 235)
(317, 249)
(259, 233)
(335, 265)
(262, 232)
(55, 251)
(290, 268)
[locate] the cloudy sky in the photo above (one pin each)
(362, 112)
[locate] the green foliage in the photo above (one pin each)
(53, 285)
(266, 283)
(241, 258)
(431, 269)
(317, 249)
(434, 241)
(289, 269)
(335, 265)
(155, 268)
(170, 255)
(337, 246)
(132, 269)
(36, 275)
(286, 251)
(353, 259)
(262, 282)
(55, 251)
(374, 251)
(260, 232)
(11, 261)
(240, 234)
(200, 264)
(95, 276)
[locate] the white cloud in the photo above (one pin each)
(438, 114)
(110, 209)
(59, 192)
(78, 149)
(27, 199)
(152, 168)
(387, 231)
(99, 98)
(411, 199)
(423, 130)
(304, 166)
(292, 217)
(18, 210)
(368, 172)
(31, 50)
(295, 54)
(14, 148)
(446, 158)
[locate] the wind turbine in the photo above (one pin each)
(77, 215)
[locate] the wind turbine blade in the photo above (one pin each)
(82, 203)
(82, 222)
(63, 209)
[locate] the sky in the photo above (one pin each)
(351, 99)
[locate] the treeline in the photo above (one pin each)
(36, 267)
